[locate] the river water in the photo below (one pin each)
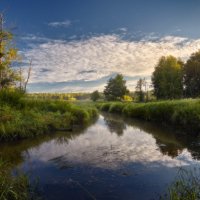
(114, 158)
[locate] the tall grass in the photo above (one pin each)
(22, 118)
(15, 187)
(185, 187)
(183, 114)
(10, 96)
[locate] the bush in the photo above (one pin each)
(116, 107)
(105, 107)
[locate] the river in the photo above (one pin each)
(114, 158)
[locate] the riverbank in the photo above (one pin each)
(23, 118)
(183, 114)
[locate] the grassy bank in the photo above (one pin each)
(183, 114)
(23, 118)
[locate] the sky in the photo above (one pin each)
(77, 45)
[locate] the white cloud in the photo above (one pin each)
(100, 56)
(65, 24)
(124, 29)
(106, 150)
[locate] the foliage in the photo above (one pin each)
(8, 54)
(167, 78)
(95, 95)
(116, 88)
(183, 114)
(139, 90)
(116, 107)
(28, 118)
(191, 75)
(11, 95)
(185, 187)
(60, 96)
(15, 187)
(127, 98)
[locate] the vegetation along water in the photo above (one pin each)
(100, 145)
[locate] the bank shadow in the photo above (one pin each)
(169, 140)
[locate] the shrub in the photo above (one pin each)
(116, 107)
(105, 107)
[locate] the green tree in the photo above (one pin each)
(115, 88)
(8, 54)
(167, 78)
(139, 89)
(95, 95)
(192, 75)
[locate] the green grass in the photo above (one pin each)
(15, 187)
(185, 187)
(183, 114)
(23, 118)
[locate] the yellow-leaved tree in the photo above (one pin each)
(8, 54)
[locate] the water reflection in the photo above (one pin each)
(114, 158)
(115, 124)
(13, 152)
(99, 147)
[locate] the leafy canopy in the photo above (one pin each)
(192, 75)
(8, 54)
(115, 88)
(167, 78)
(95, 95)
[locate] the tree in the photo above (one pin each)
(167, 78)
(192, 75)
(115, 88)
(139, 89)
(8, 55)
(95, 95)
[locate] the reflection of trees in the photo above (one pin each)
(166, 139)
(169, 141)
(115, 124)
(12, 152)
(169, 149)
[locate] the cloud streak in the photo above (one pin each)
(64, 24)
(104, 55)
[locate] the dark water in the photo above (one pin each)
(112, 159)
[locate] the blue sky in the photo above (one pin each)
(76, 45)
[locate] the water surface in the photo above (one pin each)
(114, 158)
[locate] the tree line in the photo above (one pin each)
(171, 79)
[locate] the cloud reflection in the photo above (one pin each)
(99, 147)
